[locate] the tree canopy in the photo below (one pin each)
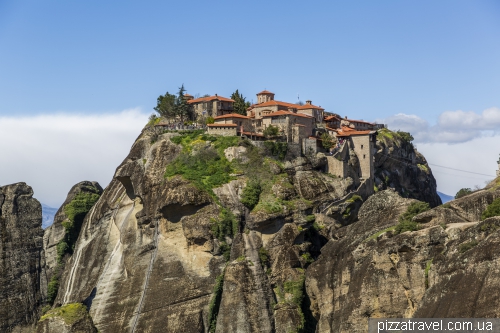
(240, 105)
(172, 106)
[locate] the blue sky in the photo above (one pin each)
(373, 60)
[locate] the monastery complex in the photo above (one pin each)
(302, 126)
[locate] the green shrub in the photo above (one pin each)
(264, 256)
(467, 246)
(405, 220)
(463, 192)
(307, 258)
(271, 131)
(310, 218)
(327, 141)
(62, 249)
(251, 194)
(405, 136)
(70, 313)
(226, 251)
(225, 225)
(206, 169)
(492, 210)
(52, 288)
(277, 149)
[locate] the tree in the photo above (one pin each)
(327, 141)
(463, 192)
(271, 131)
(181, 107)
(492, 210)
(240, 105)
(165, 105)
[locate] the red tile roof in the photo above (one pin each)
(210, 98)
(232, 115)
(286, 104)
(222, 125)
(331, 118)
(285, 113)
(347, 131)
(265, 92)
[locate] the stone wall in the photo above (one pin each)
(222, 130)
(337, 164)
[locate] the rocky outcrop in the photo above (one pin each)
(21, 256)
(400, 166)
(72, 318)
(145, 259)
(441, 270)
(56, 233)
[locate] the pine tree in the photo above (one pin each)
(181, 107)
(240, 105)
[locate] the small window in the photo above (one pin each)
(364, 155)
(361, 146)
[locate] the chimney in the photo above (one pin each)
(215, 95)
(309, 102)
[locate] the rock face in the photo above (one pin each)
(72, 318)
(154, 254)
(21, 256)
(143, 261)
(400, 166)
(447, 269)
(56, 233)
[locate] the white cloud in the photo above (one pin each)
(53, 152)
(460, 140)
(452, 126)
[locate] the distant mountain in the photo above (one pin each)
(47, 216)
(445, 197)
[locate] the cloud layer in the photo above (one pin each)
(452, 126)
(53, 152)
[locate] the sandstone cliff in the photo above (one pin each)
(185, 240)
(447, 269)
(400, 166)
(59, 238)
(21, 256)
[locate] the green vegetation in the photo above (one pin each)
(240, 105)
(171, 106)
(226, 250)
(492, 210)
(354, 198)
(53, 288)
(328, 141)
(296, 289)
(264, 257)
(405, 220)
(213, 307)
(225, 225)
(405, 136)
(277, 149)
(307, 258)
(489, 227)
(375, 235)
(251, 194)
(423, 167)
(463, 192)
(153, 120)
(317, 226)
(206, 167)
(310, 218)
(70, 313)
(464, 247)
(210, 120)
(271, 131)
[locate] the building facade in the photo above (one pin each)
(211, 106)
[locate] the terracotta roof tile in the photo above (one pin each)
(265, 92)
(347, 131)
(232, 115)
(284, 113)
